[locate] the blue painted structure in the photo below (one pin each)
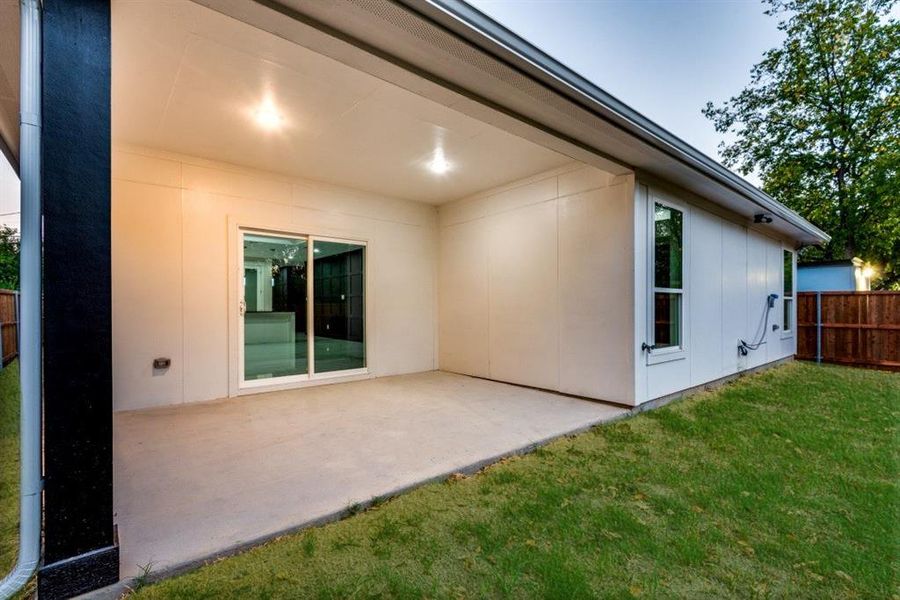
(826, 277)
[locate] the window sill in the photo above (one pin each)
(668, 355)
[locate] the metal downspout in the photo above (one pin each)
(30, 302)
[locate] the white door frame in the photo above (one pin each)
(237, 386)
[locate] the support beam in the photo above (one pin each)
(80, 548)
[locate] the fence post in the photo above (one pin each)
(18, 327)
(818, 327)
(2, 350)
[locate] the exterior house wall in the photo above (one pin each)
(535, 283)
(729, 270)
(170, 279)
(541, 282)
(10, 215)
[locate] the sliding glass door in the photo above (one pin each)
(338, 305)
(286, 337)
(274, 306)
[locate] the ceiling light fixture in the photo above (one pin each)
(267, 115)
(439, 163)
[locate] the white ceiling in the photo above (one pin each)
(188, 79)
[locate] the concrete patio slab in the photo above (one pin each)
(198, 480)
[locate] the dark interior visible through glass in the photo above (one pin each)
(275, 342)
(276, 327)
(667, 323)
(339, 306)
(788, 274)
(668, 238)
(788, 302)
(668, 227)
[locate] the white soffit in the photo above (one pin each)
(188, 79)
(9, 79)
(491, 73)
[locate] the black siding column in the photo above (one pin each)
(80, 551)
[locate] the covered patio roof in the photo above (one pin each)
(450, 52)
(447, 48)
(190, 80)
(195, 481)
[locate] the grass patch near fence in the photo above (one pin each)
(9, 466)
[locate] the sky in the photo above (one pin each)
(664, 58)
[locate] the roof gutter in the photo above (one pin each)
(503, 44)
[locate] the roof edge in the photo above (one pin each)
(504, 44)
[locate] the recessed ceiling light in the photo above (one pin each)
(439, 163)
(267, 115)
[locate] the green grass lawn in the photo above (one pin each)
(9, 466)
(782, 485)
(9, 474)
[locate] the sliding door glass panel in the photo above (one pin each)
(339, 306)
(275, 272)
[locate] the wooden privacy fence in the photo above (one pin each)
(9, 325)
(853, 328)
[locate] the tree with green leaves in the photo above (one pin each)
(9, 258)
(820, 124)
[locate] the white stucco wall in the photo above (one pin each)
(170, 222)
(535, 283)
(10, 210)
(729, 270)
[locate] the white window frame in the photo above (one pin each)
(660, 355)
(238, 385)
(789, 332)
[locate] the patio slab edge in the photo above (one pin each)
(123, 587)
